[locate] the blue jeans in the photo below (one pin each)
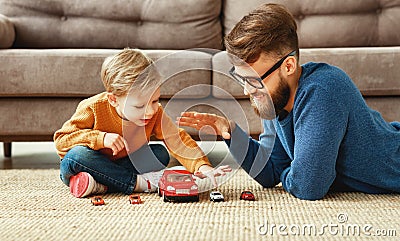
(118, 175)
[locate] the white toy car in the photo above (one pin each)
(216, 196)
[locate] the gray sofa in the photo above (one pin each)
(51, 53)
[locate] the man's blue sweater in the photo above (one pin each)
(331, 140)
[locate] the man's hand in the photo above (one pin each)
(207, 171)
(115, 142)
(199, 120)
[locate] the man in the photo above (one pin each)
(327, 138)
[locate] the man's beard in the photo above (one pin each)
(279, 99)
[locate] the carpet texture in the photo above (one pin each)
(35, 205)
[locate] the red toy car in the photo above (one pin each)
(135, 199)
(178, 185)
(97, 201)
(247, 195)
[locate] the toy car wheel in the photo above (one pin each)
(159, 192)
(97, 201)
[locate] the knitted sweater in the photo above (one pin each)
(94, 117)
(330, 141)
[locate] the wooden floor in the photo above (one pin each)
(30, 155)
(42, 155)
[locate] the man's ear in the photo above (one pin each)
(290, 65)
(112, 99)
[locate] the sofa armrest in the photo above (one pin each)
(7, 32)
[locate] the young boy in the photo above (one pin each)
(104, 146)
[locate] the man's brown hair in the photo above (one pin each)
(270, 28)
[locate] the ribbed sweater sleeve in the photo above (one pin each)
(179, 143)
(79, 131)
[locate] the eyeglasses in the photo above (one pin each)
(256, 82)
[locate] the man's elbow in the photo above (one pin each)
(310, 193)
(309, 196)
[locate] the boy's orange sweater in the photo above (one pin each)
(94, 117)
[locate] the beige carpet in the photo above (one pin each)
(35, 205)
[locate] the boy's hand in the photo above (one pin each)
(207, 171)
(197, 120)
(115, 142)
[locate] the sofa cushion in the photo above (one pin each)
(373, 70)
(181, 70)
(7, 33)
(34, 116)
(76, 72)
(388, 106)
(174, 24)
(335, 23)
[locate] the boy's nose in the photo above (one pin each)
(149, 111)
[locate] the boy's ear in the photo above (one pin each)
(112, 99)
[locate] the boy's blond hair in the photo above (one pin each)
(120, 72)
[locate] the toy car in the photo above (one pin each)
(178, 186)
(97, 201)
(247, 195)
(216, 196)
(135, 199)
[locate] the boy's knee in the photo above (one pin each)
(78, 155)
(65, 171)
(75, 158)
(77, 152)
